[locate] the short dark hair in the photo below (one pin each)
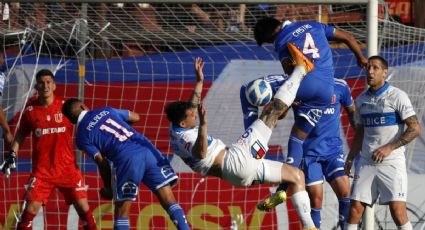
(264, 29)
(176, 111)
(44, 72)
(381, 59)
(67, 109)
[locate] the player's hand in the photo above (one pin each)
(106, 193)
(362, 62)
(8, 163)
(202, 113)
(380, 153)
(199, 68)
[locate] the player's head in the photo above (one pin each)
(182, 114)
(72, 108)
(377, 70)
(45, 83)
(266, 29)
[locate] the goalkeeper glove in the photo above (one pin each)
(8, 163)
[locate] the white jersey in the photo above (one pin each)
(182, 141)
(382, 115)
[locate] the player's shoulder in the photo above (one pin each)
(339, 81)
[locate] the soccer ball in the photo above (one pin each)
(258, 92)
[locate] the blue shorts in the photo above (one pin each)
(144, 164)
(306, 116)
(330, 167)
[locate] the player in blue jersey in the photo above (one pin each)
(323, 152)
(125, 159)
(316, 90)
(382, 112)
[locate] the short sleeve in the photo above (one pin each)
(346, 98)
(122, 113)
(89, 149)
(2, 82)
(403, 105)
(329, 31)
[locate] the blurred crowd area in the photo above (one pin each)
(142, 28)
(157, 17)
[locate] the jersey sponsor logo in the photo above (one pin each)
(40, 132)
(96, 119)
(381, 119)
(300, 30)
(258, 150)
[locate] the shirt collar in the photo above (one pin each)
(380, 90)
(285, 23)
(81, 116)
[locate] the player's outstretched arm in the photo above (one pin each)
(195, 98)
(200, 147)
(351, 42)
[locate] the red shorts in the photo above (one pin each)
(40, 190)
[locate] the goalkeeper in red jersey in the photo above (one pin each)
(53, 158)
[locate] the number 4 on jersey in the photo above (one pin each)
(310, 47)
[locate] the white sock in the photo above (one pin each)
(406, 226)
(301, 202)
(288, 90)
(348, 226)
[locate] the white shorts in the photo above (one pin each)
(386, 180)
(243, 163)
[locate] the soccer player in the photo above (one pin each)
(382, 111)
(242, 163)
(323, 151)
(317, 89)
(105, 135)
(7, 134)
(53, 157)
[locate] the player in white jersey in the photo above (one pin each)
(382, 113)
(242, 163)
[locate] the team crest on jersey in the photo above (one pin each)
(258, 151)
(48, 118)
(58, 117)
(333, 99)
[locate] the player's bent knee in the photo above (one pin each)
(291, 174)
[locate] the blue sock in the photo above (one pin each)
(176, 214)
(315, 215)
(121, 223)
(295, 155)
(344, 209)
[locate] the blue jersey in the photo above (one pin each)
(250, 112)
(312, 39)
(325, 138)
(132, 157)
(106, 131)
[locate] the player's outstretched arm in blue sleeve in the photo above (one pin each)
(250, 112)
(128, 116)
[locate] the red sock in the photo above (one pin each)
(88, 221)
(26, 221)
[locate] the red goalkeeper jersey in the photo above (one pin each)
(53, 156)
